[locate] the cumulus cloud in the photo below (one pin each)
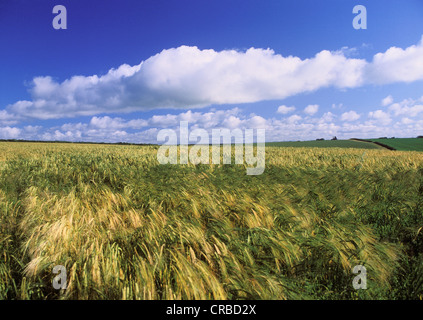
(408, 107)
(311, 109)
(284, 109)
(327, 117)
(232, 122)
(187, 77)
(387, 101)
(350, 116)
(294, 118)
(289, 127)
(7, 118)
(338, 106)
(9, 132)
(380, 116)
(117, 123)
(407, 120)
(397, 65)
(116, 129)
(256, 122)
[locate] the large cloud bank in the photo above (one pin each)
(187, 77)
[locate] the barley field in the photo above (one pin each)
(126, 227)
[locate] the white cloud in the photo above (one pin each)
(380, 116)
(57, 135)
(7, 118)
(407, 107)
(397, 65)
(407, 121)
(232, 122)
(294, 118)
(117, 123)
(387, 101)
(117, 129)
(9, 132)
(350, 116)
(284, 109)
(256, 122)
(327, 117)
(293, 127)
(187, 77)
(32, 129)
(311, 109)
(339, 106)
(106, 122)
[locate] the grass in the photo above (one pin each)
(126, 227)
(325, 144)
(402, 144)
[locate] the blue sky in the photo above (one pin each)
(122, 70)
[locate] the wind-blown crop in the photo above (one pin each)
(126, 227)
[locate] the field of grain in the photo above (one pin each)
(126, 227)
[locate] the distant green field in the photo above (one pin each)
(402, 144)
(326, 144)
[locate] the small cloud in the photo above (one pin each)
(339, 106)
(387, 101)
(32, 129)
(348, 52)
(232, 122)
(380, 116)
(257, 122)
(294, 118)
(284, 109)
(406, 107)
(350, 116)
(9, 132)
(7, 118)
(407, 121)
(311, 109)
(328, 117)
